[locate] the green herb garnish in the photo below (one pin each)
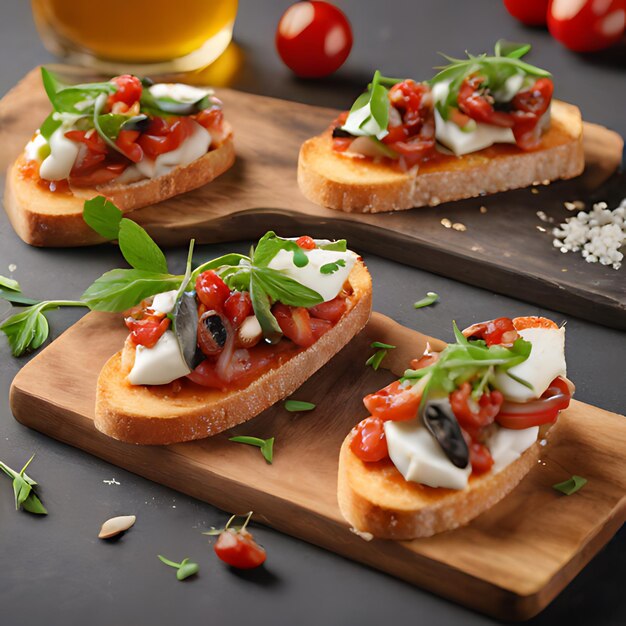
(430, 298)
(266, 445)
(298, 406)
(23, 489)
(379, 344)
(495, 71)
(331, 268)
(185, 568)
(571, 485)
(369, 115)
(377, 358)
(9, 284)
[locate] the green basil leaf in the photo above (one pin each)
(33, 504)
(331, 268)
(270, 244)
(571, 485)
(121, 289)
(49, 126)
(21, 490)
(16, 298)
(233, 260)
(186, 570)
(376, 359)
(51, 83)
(369, 115)
(379, 102)
(139, 249)
(26, 330)
(103, 216)
(266, 445)
(168, 562)
(10, 284)
(430, 298)
(341, 245)
(282, 288)
(298, 406)
(110, 124)
(380, 344)
(262, 310)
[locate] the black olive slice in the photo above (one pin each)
(339, 132)
(442, 424)
(213, 329)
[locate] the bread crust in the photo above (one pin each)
(42, 218)
(375, 498)
(359, 185)
(136, 414)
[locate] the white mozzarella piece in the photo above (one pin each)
(327, 285)
(160, 364)
(179, 92)
(63, 152)
(506, 445)
(194, 147)
(164, 302)
(545, 362)
(419, 458)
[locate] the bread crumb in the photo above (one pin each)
(460, 227)
(483, 209)
(535, 191)
(445, 222)
(541, 229)
(364, 535)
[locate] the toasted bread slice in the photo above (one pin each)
(43, 218)
(375, 498)
(354, 184)
(147, 415)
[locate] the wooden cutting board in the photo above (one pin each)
(502, 250)
(510, 562)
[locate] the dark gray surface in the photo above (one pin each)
(54, 570)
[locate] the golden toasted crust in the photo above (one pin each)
(375, 498)
(42, 218)
(143, 415)
(360, 185)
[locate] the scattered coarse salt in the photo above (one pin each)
(598, 234)
(111, 482)
(12, 267)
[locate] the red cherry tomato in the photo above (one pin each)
(369, 442)
(146, 332)
(313, 38)
(306, 243)
(393, 402)
(237, 307)
(210, 118)
(475, 414)
(163, 137)
(99, 176)
(295, 322)
(480, 458)
(530, 12)
(587, 25)
(128, 90)
(332, 310)
(126, 143)
(320, 327)
(211, 290)
(238, 549)
(499, 331)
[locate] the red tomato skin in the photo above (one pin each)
(332, 310)
(238, 549)
(305, 52)
(529, 12)
(211, 290)
(485, 412)
(480, 458)
(583, 32)
(295, 323)
(237, 307)
(306, 243)
(369, 442)
(393, 403)
(129, 90)
(148, 331)
(320, 327)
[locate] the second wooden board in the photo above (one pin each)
(505, 247)
(510, 562)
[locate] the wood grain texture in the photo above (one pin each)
(510, 562)
(501, 250)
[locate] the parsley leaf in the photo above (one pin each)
(266, 445)
(23, 486)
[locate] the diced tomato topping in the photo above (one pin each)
(480, 458)
(295, 323)
(369, 442)
(211, 119)
(320, 327)
(162, 136)
(237, 307)
(126, 142)
(427, 359)
(306, 243)
(500, 331)
(147, 331)
(473, 414)
(129, 90)
(90, 138)
(520, 323)
(332, 310)
(393, 402)
(341, 144)
(211, 290)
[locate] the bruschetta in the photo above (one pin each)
(457, 433)
(482, 125)
(240, 335)
(134, 142)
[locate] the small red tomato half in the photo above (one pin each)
(587, 25)
(529, 12)
(313, 38)
(239, 549)
(369, 442)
